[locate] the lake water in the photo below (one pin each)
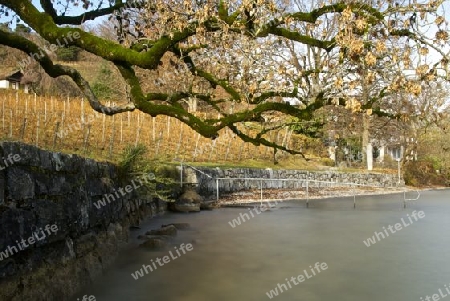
(246, 262)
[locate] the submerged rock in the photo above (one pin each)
(189, 201)
(179, 226)
(207, 205)
(155, 243)
(170, 230)
(184, 207)
(190, 196)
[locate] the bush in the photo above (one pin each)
(132, 160)
(309, 145)
(327, 162)
(68, 54)
(133, 163)
(422, 173)
(102, 90)
(102, 85)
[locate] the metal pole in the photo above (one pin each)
(181, 175)
(217, 190)
(307, 193)
(398, 170)
(261, 188)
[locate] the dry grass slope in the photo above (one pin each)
(70, 125)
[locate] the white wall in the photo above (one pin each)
(4, 84)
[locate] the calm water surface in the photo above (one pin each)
(245, 262)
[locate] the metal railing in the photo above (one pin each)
(407, 200)
(194, 168)
(307, 187)
(299, 183)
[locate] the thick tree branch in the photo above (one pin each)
(296, 36)
(270, 94)
(48, 8)
(262, 141)
(315, 14)
(214, 82)
(190, 32)
(92, 15)
(45, 26)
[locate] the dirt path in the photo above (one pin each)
(254, 196)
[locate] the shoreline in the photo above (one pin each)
(251, 197)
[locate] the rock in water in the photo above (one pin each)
(189, 201)
(155, 243)
(184, 207)
(170, 230)
(207, 205)
(179, 226)
(190, 196)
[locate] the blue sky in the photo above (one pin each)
(73, 11)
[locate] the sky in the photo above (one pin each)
(74, 11)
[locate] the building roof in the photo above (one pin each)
(12, 75)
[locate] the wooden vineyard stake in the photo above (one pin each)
(230, 139)
(212, 150)
(37, 129)
(138, 131)
(17, 103)
(103, 127)
(35, 103)
(24, 125)
(196, 147)
(179, 140)
(3, 114)
(86, 138)
(159, 142)
(154, 129)
(111, 141)
(168, 127)
(68, 105)
(10, 123)
(121, 128)
(26, 106)
(82, 110)
(55, 135)
(241, 149)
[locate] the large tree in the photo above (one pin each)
(248, 49)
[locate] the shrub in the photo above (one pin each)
(68, 54)
(133, 163)
(422, 173)
(327, 162)
(102, 85)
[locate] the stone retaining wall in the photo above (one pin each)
(40, 188)
(206, 179)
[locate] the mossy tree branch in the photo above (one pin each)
(183, 41)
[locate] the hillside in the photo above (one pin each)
(70, 125)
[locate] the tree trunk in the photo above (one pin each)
(366, 146)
